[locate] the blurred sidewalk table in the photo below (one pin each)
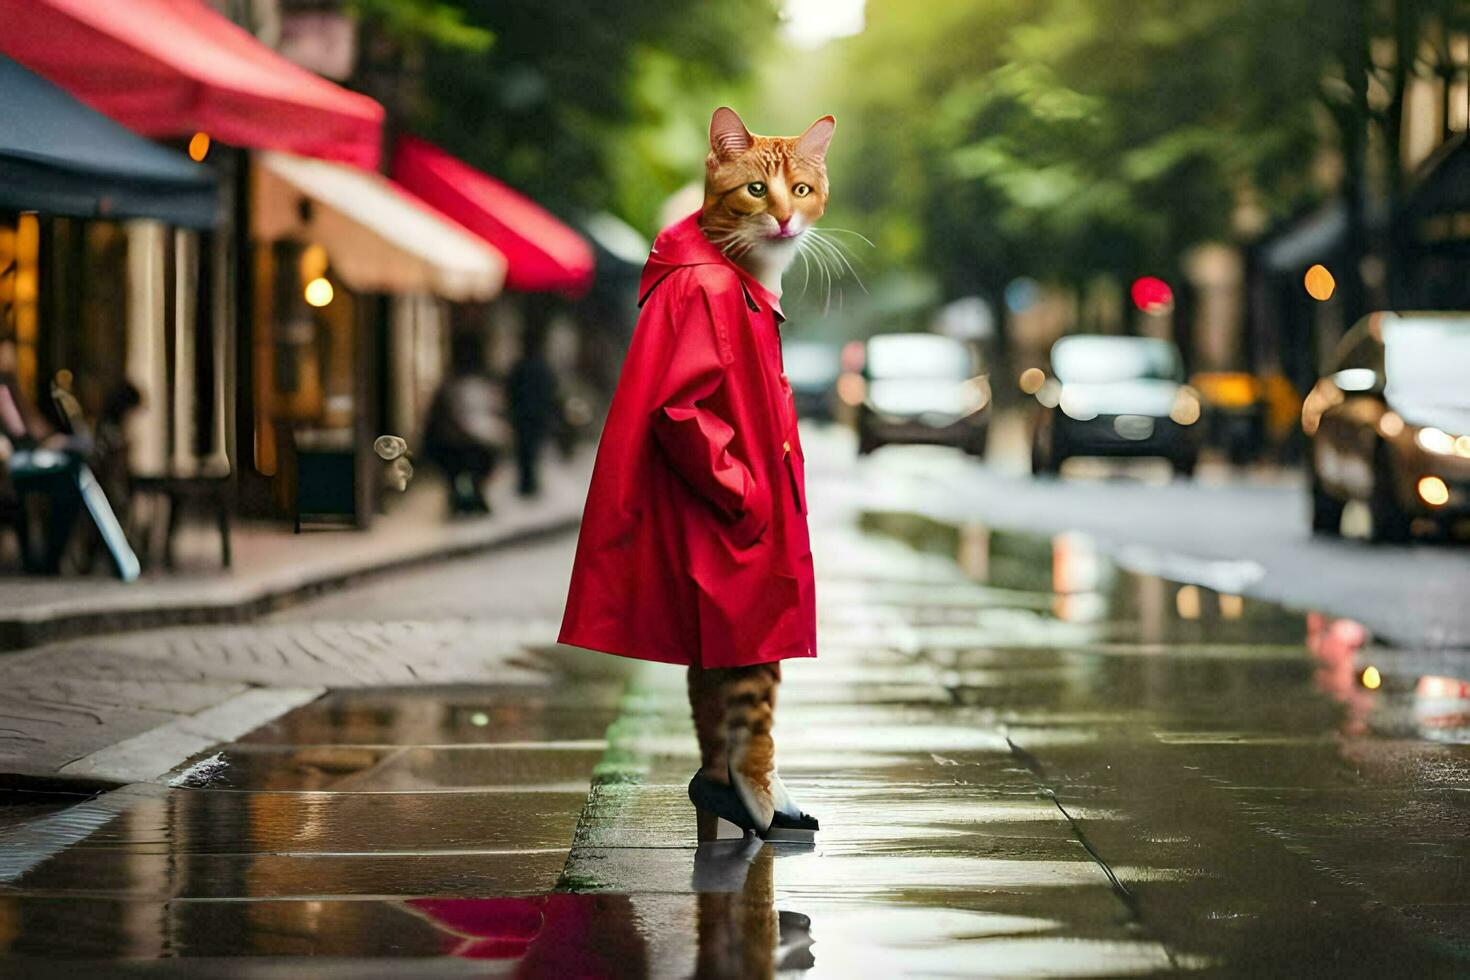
(272, 566)
(213, 495)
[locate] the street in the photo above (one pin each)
(1012, 458)
(1027, 759)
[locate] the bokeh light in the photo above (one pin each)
(1021, 294)
(1320, 283)
(1433, 491)
(319, 292)
(199, 147)
(1152, 295)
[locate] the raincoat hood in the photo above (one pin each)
(683, 244)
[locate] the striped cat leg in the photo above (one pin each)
(707, 705)
(750, 700)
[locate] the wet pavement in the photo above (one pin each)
(1026, 761)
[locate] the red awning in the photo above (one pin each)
(175, 67)
(541, 253)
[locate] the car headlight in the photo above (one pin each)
(1436, 441)
(1075, 406)
(976, 395)
(1185, 410)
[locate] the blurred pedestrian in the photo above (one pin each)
(534, 408)
(466, 432)
(43, 463)
(694, 547)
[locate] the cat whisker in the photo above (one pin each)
(838, 257)
(842, 255)
(849, 231)
(806, 266)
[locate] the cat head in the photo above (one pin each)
(763, 192)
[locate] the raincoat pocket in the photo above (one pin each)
(797, 470)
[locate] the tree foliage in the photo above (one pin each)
(590, 105)
(1066, 138)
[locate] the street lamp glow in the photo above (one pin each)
(199, 147)
(319, 292)
(1320, 283)
(812, 23)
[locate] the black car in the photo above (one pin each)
(1114, 396)
(922, 388)
(1389, 424)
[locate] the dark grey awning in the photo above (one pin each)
(59, 157)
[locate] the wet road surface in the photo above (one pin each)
(1026, 762)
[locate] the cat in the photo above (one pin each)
(762, 196)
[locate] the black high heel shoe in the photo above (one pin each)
(722, 816)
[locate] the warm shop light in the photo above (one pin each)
(319, 292)
(1032, 379)
(199, 147)
(1320, 284)
(1372, 680)
(1433, 491)
(313, 262)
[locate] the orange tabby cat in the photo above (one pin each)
(762, 194)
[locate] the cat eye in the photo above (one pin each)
(756, 188)
(802, 190)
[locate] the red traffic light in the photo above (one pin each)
(1152, 295)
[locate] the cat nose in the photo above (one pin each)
(782, 223)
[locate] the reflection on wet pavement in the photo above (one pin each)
(1026, 760)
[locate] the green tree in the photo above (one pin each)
(1067, 138)
(587, 106)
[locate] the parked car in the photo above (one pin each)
(922, 388)
(812, 368)
(1115, 396)
(1389, 424)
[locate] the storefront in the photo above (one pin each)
(183, 73)
(333, 361)
(85, 207)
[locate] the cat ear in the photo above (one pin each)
(727, 134)
(813, 143)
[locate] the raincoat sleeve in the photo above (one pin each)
(688, 427)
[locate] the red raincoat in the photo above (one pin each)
(694, 547)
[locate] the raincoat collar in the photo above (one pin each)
(683, 243)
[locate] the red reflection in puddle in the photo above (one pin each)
(1335, 643)
(551, 935)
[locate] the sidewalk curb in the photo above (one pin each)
(250, 601)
